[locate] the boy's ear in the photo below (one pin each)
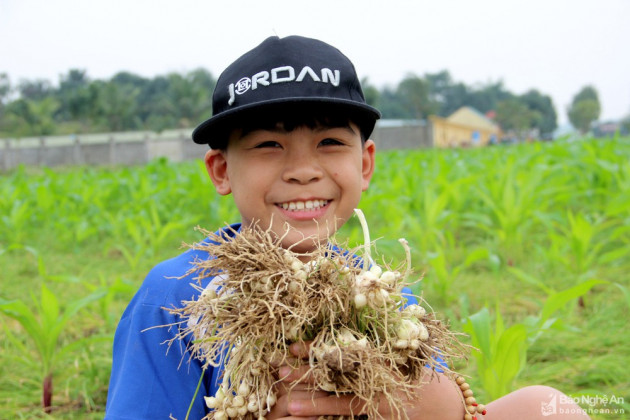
(216, 165)
(369, 149)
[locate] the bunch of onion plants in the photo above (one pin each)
(363, 339)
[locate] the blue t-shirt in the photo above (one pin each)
(149, 379)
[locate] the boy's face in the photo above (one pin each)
(308, 179)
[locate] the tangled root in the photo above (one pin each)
(262, 298)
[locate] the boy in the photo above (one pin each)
(289, 139)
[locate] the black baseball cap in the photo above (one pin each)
(281, 74)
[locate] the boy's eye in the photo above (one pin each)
(266, 144)
(330, 142)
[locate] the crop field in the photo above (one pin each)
(525, 248)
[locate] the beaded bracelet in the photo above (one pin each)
(470, 403)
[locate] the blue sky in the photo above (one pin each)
(556, 46)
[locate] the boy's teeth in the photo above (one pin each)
(301, 205)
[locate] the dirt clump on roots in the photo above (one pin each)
(364, 340)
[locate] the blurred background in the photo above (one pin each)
(502, 159)
(69, 67)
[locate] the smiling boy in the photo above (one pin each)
(289, 140)
(289, 137)
(310, 179)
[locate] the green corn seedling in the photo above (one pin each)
(44, 325)
(503, 351)
(443, 274)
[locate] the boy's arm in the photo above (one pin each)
(149, 379)
(437, 400)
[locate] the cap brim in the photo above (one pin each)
(214, 130)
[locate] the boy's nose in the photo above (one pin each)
(302, 168)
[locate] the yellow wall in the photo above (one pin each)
(458, 129)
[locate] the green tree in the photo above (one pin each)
(77, 101)
(156, 109)
(447, 95)
(391, 105)
(204, 83)
(585, 108)
(116, 106)
(127, 79)
(35, 89)
(439, 85)
(456, 97)
(413, 91)
(191, 96)
(370, 92)
(43, 111)
(546, 122)
(587, 92)
(514, 115)
(485, 98)
(5, 88)
(25, 117)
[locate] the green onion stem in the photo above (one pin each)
(366, 236)
(196, 392)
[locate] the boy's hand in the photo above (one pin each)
(438, 399)
(290, 395)
(287, 393)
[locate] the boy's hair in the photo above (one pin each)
(290, 118)
(279, 80)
